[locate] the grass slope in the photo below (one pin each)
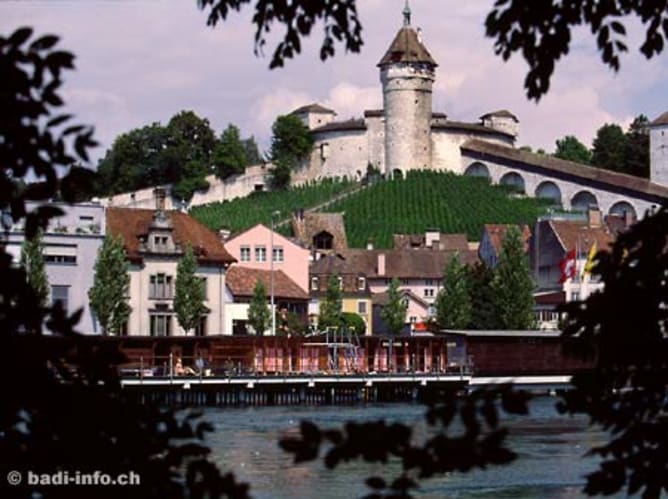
(420, 201)
(427, 199)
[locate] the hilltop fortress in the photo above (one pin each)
(408, 135)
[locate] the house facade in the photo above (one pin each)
(252, 247)
(70, 246)
(289, 298)
(154, 242)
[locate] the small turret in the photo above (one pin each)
(503, 121)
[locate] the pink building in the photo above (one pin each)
(251, 248)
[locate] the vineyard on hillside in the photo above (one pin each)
(427, 199)
(243, 213)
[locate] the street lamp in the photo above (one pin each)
(271, 272)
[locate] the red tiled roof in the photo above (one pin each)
(575, 233)
(132, 224)
(497, 232)
(661, 120)
(313, 108)
(241, 283)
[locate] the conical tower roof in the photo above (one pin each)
(407, 46)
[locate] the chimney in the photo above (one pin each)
(432, 236)
(593, 217)
(369, 244)
(160, 195)
(223, 234)
(381, 264)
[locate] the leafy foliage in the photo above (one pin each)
(339, 18)
(330, 308)
(571, 149)
(229, 155)
(541, 32)
(32, 263)
(393, 312)
(513, 284)
(453, 303)
(68, 412)
(608, 148)
(258, 310)
(636, 147)
(111, 286)
(291, 142)
(623, 328)
(189, 292)
(354, 322)
(244, 213)
(483, 311)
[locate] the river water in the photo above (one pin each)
(550, 448)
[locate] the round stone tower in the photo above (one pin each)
(658, 150)
(407, 73)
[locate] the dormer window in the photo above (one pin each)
(314, 284)
(160, 244)
(361, 283)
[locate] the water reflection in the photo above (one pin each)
(550, 448)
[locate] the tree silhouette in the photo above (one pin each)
(62, 405)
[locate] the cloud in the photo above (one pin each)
(349, 100)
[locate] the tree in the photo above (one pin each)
(258, 310)
(291, 142)
(32, 263)
(330, 308)
(453, 303)
(111, 286)
(483, 312)
(512, 284)
(636, 150)
(623, 329)
(189, 292)
(253, 156)
(354, 322)
(393, 312)
(609, 145)
(571, 149)
(229, 155)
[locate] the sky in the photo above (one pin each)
(142, 61)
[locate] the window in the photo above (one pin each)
(278, 254)
(160, 287)
(361, 283)
(200, 329)
(323, 241)
(361, 307)
(161, 325)
(428, 292)
(60, 294)
(260, 254)
(340, 281)
(203, 282)
(60, 253)
(413, 319)
(60, 259)
(314, 284)
(244, 254)
(429, 282)
(160, 243)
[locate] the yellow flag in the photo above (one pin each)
(589, 264)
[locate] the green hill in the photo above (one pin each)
(421, 200)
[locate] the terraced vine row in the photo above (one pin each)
(425, 199)
(243, 213)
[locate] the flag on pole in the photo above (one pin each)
(591, 256)
(567, 266)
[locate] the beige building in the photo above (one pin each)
(154, 242)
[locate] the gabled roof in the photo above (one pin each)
(573, 234)
(482, 149)
(497, 232)
(313, 108)
(383, 298)
(132, 224)
(331, 264)
(241, 283)
(306, 227)
(661, 120)
(446, 242)
(404, 264)
(501, 113)
(407, 48)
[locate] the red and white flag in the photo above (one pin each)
(567, 266)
